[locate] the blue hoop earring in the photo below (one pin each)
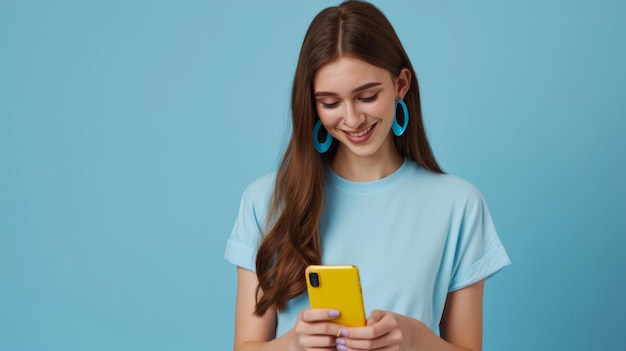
(325, 145)
(399, 128)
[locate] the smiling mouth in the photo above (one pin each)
(361, 133)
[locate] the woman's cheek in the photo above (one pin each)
(327, 117)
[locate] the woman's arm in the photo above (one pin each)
(462, 320)
(461, 327)
(312, 331)
(252, 332)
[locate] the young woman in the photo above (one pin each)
(358, 184)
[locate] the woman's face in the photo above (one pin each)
(355, 102)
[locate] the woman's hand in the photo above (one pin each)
(315, 331)
(385, 331)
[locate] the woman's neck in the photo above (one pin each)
(366, 169)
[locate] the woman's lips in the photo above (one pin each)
(360, 136)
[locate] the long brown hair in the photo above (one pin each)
(355, 29)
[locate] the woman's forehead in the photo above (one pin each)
(347, 73)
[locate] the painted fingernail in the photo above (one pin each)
(333, 313)
(341, 348)
(340, 341)
(344, 332)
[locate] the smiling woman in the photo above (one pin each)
(128, 130)
(355, 101)
(359, 185)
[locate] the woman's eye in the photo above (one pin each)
(329, 105)
(370, 98)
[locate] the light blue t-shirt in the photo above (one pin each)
(414, 235)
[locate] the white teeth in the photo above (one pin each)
(361, 133)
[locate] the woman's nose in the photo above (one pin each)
(353, 119)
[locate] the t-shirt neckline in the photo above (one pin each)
(343, 183)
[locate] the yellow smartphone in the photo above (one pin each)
(339, 288)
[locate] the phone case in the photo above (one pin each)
(339, 288)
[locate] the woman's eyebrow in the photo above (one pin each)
(354, 91)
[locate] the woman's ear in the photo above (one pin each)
(403, 82)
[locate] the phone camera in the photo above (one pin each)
(314, 279)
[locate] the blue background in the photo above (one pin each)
(129, 129)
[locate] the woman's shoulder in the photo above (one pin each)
(260, 189)
(262, 183)
(446, 185)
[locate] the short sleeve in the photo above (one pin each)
(244, 240)
(479, 252)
